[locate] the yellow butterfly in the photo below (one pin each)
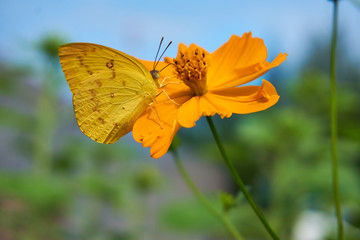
(111, 89)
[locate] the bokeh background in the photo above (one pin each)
(55, 183)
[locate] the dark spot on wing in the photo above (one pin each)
(80, 60)
(97, 81)
(95, 109)
(110, 64)
(92, 92)
(102, 121)
(112, 95)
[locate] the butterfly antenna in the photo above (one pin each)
(165, 66)
(155, 62)
(162, 54)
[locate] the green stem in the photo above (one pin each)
(333, 122)
(239, 182)
(222, 217)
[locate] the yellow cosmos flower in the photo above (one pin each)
(206, 84)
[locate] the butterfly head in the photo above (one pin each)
(156, 75)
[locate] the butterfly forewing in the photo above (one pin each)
(110, 89)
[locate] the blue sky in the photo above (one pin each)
(135, 27)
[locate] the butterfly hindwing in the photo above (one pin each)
(110, 89)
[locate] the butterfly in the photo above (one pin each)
(111, 89)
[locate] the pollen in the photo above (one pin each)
(191, 67)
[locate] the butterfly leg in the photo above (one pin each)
(162, 83)
(163, 91)
(157, 116)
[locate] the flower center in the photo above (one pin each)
(191, 68)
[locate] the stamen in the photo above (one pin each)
(191, 68)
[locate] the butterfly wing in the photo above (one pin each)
(110, 89)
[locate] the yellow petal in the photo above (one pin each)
(248, 99)
(189, 113)
(239, 61)
(158, 131)
(247, 74)
(205, 105)
(236, 52)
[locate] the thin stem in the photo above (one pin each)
(239, 182)
(222, 217)
(333, 122)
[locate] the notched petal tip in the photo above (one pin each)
(186, 122)
(281, 57)
(157, 141)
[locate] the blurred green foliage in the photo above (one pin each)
(55, 183)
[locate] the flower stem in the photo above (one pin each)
(333, 121)
(222, 217)
(239, 182)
